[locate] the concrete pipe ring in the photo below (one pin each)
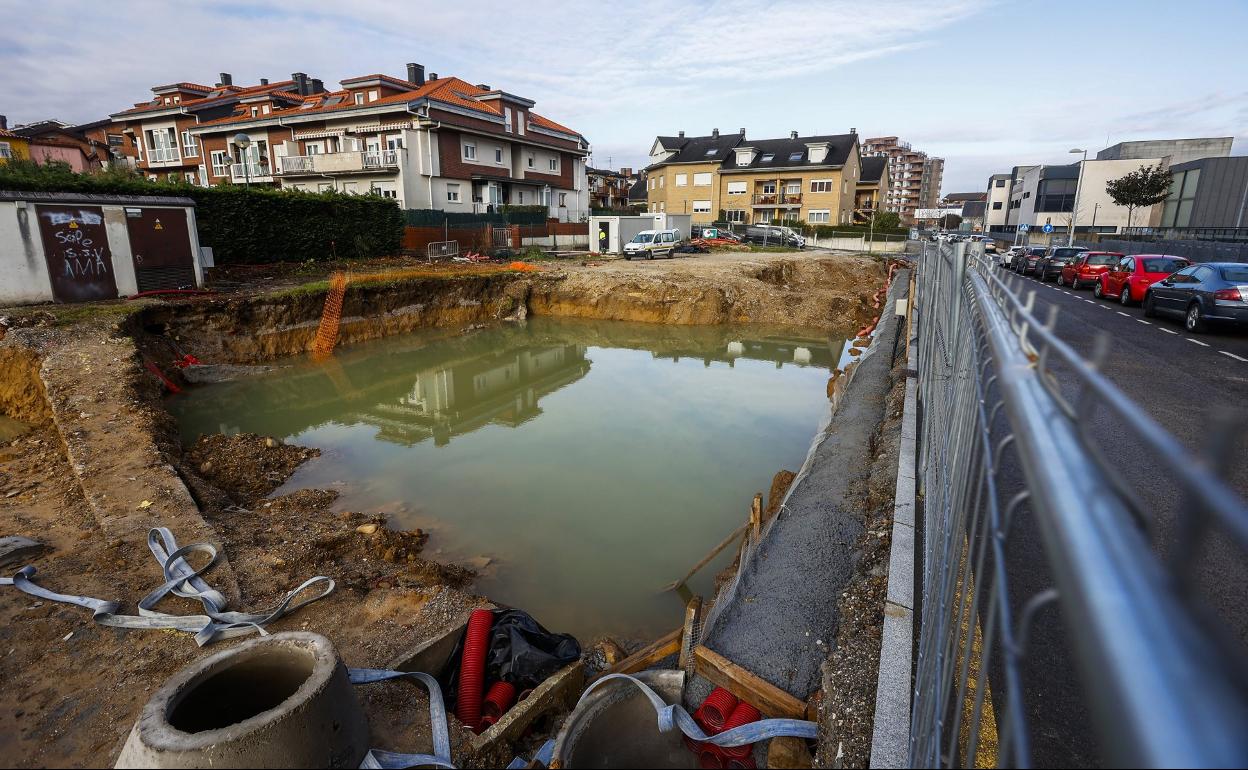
(277, 701)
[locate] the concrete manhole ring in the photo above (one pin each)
(276, 701)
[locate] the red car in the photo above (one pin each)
(1130, 278)
(1087, 268)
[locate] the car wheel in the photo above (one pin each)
(1150, 309)
(1098, 291)
(1061, 279)
(628, 258)
(1074, 283)
(1125, 297)
(1195, 321)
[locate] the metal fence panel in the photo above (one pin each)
(1007, 451)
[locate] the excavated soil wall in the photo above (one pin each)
(22, 395)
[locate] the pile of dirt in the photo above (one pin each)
(245, 466)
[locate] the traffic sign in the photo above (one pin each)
(1048, 228)
(1024, 228)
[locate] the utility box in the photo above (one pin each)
(73, 247)
(607, 235)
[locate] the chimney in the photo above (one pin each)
(483, 86)
(226, 79)
(853, 131)
(792, 134)
(433, 76)
(317, 86)
(301, 82)
(264, 81)
(682, 133)
(416, 73)
(743, 131)
(4, 122)
(626, 171)
(715, 132)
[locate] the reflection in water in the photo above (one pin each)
(588, 462)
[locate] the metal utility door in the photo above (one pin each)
(604, 238)
(75, 245)
(161, 246)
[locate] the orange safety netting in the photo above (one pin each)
(331, 317)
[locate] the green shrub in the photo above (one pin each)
(244, 225)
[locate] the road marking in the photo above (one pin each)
(1124, 315)
(1232, 355)
(1146, 323)
(1103, 307)
(1167, 331)
(1198, 342)
(1090, 302)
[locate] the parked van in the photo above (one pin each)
(652, 243)
(774, 235)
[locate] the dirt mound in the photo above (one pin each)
(245, 466)
(21, 392)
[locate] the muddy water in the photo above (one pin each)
(579, 465)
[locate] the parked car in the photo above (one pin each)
(1057, 258)
(1204, 294)
(1007, 260)
(774, 235)
(652, 243)
(1128, 281)
(1087, 268)
(1026, 262)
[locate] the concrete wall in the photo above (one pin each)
(1175, 150)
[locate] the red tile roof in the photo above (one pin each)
(232, 91)
(184, 86)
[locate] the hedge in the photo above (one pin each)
(505, 215)
(244, 225)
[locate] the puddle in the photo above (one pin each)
(579, 465)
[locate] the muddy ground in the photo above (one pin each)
(103, 463)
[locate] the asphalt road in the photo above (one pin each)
(1186, 383)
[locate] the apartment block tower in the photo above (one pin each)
(914, 177)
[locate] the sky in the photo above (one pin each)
(985, 84)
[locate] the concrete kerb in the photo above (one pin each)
(890, 739)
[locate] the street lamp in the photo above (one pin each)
(1074, 214)
(242, 141)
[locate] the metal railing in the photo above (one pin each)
(162, 154)
(777, 199)
(377, 159)
(1061, 612)
(248, 170)
(295, 164)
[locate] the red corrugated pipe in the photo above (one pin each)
(472, 669)
(710, 758)
(498, 699)
(743, 714)
(716, 709)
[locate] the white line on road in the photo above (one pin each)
(1198, 342)
(1090, 302)
(1146, 323)
(1167, 331)
(1124, 315)
(1103, 307)
(1232, 355)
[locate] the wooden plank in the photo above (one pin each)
(749, 687)
(756, 514)
(707, 559)
(788, 753)
(693, 613)
(668, 644)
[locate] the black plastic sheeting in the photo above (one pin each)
(521, 651)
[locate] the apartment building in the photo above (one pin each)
(914, 178)
(12, 145)
(871, 189)
(997, 201)
(1043, 195)
(609, 189)
(749, 181)
(435, 143)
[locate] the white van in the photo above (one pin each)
(652, 243)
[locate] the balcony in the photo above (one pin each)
(778, 199)
(163, 155)
(243, 172)
(339, 162)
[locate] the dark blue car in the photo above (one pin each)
(1203, 294)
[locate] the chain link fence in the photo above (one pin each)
(1066, 619)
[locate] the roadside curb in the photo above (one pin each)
(890, 737)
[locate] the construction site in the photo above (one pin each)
(394, 457)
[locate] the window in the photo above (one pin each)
(769, 188)
(1000, 183)
(220, 163)
(470, 151)
(701, 207)
(452, 193)
(554, 164)
(997, 207)
(520, 197)
(563, 199)
(507, 119)
(669, 237)
(520, 118)
(6, 150)
(662, 207)
(682, 180)
(532, 160)
(254, 112)
(768, 157)
(1056, 195)
(702, 179)
(792, 188)
(818, 216)
(821, 185)
(711, 152)
(736, 188)
(736, 216)
(359, 98)
(498, 154)
(1177, 211)
(793, 156)
(373, 95)
(652, 182)
(660, 181)
(189, 148)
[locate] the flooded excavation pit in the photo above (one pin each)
(577, 466)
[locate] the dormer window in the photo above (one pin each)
(795, 156)
(359, 98)
(711, 152)
(768, 157)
